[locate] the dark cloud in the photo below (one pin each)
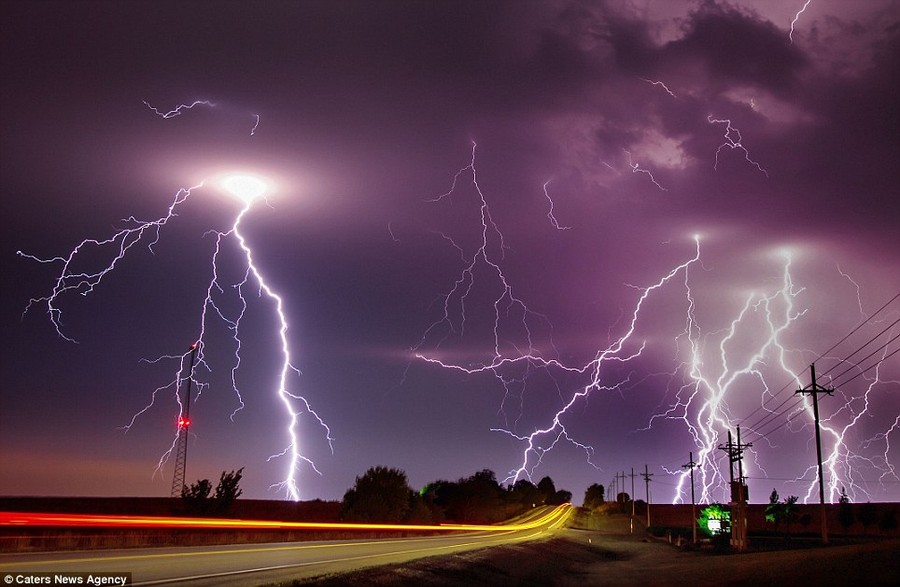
(604, 115)
(738, 47)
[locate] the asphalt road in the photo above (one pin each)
(255, 564)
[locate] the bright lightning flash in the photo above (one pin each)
(72, 278)
(714, 373)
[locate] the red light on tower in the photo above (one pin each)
(183, 422)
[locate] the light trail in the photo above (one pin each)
(39, 519)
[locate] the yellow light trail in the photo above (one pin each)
(36, 519)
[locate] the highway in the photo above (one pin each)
(253, 564)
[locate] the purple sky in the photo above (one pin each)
(653, 121)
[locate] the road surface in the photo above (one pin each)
(252, 564)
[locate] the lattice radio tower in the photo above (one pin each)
(184, 423)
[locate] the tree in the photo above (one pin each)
(783, 511)
(561, 496)
(845, 511)
(379, 495)
(480, 498)
(196, 497)
(525, 493)
(419, 511)
(773, 508)
(594, 496)
(228, 489)
(547, 489)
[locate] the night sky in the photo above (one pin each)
(516, 190)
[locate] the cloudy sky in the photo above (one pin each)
(544, 238)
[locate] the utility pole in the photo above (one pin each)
(632, 499)
(184, 422)
(738, 491)
(814, 389)
(729, 450)
(735, 454)
(690, 465)
(647, 485)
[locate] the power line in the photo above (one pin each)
(775, 412)
(870, 341)
(867, 357)
(759, 435)
(763, 404)
(769, 415)
(860, 325)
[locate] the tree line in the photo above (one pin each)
(383, 495)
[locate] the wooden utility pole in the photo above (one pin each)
(690, 465)
(814, 389)
(632, 499)
(738, 491)
(647, 485)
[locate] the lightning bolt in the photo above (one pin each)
(294, 404)
(512, 364)
(712, 378)
(181, 108)
(660, 84)
(733, 141)
(796, 18)
(507, 310)
(542, 440)
(550, 214)
(716, 378)
(73, 278)
(636, 168)
(841, 462)
(715, 371)
(178, 110)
